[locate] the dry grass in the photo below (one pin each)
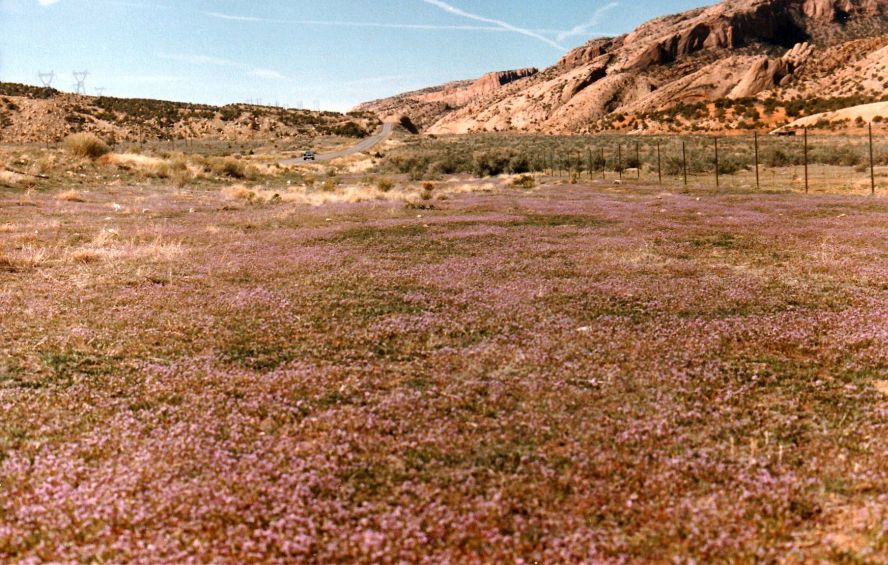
(71, 196)
(332, 193)
(86, 145)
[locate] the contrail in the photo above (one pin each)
(345, 23)
(499, 23)
(584, 28)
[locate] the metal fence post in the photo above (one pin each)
(684, 162)
(620, 159)
(603, 164)
(806, 159)
(872, 163)
(716, 164)
(659, 167)
(637, 162)
(756, 141)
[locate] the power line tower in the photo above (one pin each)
(47, 78)
(80, 80)
(100, 90)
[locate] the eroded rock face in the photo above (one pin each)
(839, 10)
(493, 81)
(737, 48)
(596, 72)
(771, 21)
(765, 73)
(588, 53)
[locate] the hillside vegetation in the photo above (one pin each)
(36, 114)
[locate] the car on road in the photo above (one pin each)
(309, 155)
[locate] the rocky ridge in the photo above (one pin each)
(735, 50)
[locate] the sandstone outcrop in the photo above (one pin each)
(736, 49)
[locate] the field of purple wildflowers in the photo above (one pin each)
(564, 374)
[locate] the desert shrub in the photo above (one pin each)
(385, 184)
(730, 164)
(350, 129)
(329, 184)
(672, 165)
(838, 155)
(416, 165)
(524, 181)
(86, 145)
(308, 181)
(493, 162)
(232, 168)
(778, 157)
(519, 164)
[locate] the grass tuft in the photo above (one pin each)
(86, 145)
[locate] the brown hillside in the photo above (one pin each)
(772, 51)
(31, 114)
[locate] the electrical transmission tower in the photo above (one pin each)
(100, 90)
(80, 79)
(47, 78)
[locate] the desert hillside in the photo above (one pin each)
(737, 65)
(32, 114)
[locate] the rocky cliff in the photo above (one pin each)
(733, 50)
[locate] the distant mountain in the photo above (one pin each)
(740, 64)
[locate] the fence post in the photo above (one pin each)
(637, 162)
(620, 159)
(589, 162)
(603, 164)
(872, 163)
(756, 141)
(659, 167)
(684, 162)
(806, 159)
(716, 164)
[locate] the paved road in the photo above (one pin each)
(364, 145)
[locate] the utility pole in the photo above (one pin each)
(47, 78)
(80, 81)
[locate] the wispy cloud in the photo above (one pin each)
(584, 29)
(494, 25)
(268, 74)
(346, 23)
(499, 23)
(258, 72)
(47, 2)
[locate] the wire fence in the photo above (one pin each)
(799, 162)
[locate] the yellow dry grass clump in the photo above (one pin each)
(347, 193)
(86, 145)
(71, 196)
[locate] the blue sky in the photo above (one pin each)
(329, 53)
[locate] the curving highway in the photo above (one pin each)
(363, 145)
